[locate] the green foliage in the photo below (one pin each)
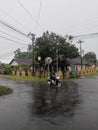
(7, 69)
(19, 54)
(24, 66)
(5, 90)
(90, 58)
(49, 43)
(29, 78)
(47, 46)
(15, 67)
(73, 74)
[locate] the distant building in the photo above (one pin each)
(2, 69)
(18, 61)
(75, 63)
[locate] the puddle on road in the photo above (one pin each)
(41, 100)
(53, 102)
(34, 105)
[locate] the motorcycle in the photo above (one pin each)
(54, 83)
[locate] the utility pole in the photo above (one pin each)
(57, 53)
(57, 60)
(33, 58)
(80, 42)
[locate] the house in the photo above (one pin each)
(75, 64)
(18, 61)
(2, 69)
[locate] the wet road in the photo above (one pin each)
(34, 106)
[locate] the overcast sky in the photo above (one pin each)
(73, 17)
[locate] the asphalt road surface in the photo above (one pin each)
(34, 106)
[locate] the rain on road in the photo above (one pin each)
(34, 106)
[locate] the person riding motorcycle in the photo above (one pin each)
(54, 80)
(53, 77)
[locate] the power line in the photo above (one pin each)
(9, 53)
(7, 14)
(30, 15)
(86, 36)
(11, 36)
(12, 28)
(12, 40)
(6, 55)
(38, 16)
(26, 10)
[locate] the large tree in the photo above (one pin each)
(19, 54)
(51, 45)
(56, 46)
(90, 58)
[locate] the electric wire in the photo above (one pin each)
(9, 53)
(26, 10)
(29, 14)
(12, 36)
(6, 55)
(12, 28)
(11, 17)
(12, 40)
(84, 25)
(86, 36)
(37, 22)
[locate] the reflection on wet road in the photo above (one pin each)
(53, 102)
(34, 106)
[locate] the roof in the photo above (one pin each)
(76, 61)
(21, 61)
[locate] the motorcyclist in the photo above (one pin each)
(53, 80)
(53, 77)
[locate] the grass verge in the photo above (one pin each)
(42, 79)
(92, 74)
(4, 90)
(29, 78)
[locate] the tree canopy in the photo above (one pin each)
(51, 45)
(90, 58)
(19, 54)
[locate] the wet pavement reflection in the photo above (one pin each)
(53, 101)
(34, 106)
